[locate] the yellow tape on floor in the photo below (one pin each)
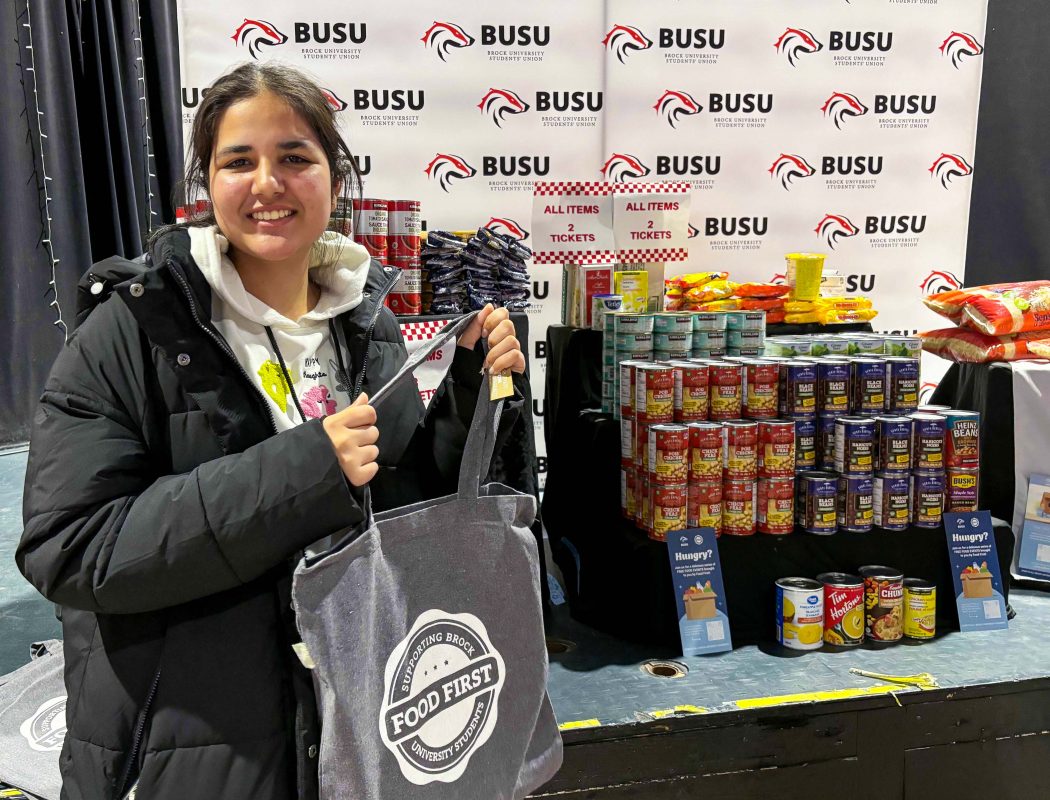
(579, 723)
(816, 697)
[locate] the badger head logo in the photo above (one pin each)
(926, 392)
(948, 166)
(779, 279)
(939, 281)
(787, 167)
(335, 102)
(834, 227)
(507, 225)
(257, 33)
(693, 231)
(444, 36)
(498, 103)
(445, 168)
(959, 46)
(674, 104)
(622, 166)
(841, 105)
(622, 39)
(795, 42)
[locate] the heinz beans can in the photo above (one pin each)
(854, 445)
(800, 613)
(776, 505)
(894, 436)
(776, 448)
(891, 501)
(920, 609)
(962, 438)
(740, 450)
(883, 603)
(843, 609)
(928, 438)
(927, 499)
(738, 507)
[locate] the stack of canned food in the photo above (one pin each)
(878, 604)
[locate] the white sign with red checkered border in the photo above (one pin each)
(429, 374)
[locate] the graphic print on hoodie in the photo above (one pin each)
(304, 343)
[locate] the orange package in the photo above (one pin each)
(961, 344)
(774, 317)
(997, 309)
(760, 304)
(761, 290)
(730, 304)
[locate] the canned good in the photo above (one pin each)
(920, 609)
(927, 499)
(829, 345)
(668, 454)
(933, 409)
(628, 498)
(868, 381)
(634, 344)
(705, 451)
(866, 344)
(776, 506)
(910, 346)
(602, 305)
(854, 504)
(902, 384)
(826, 441)
(673, 342)
(627, 439)
(403, 228)
(800, 613)
(760, 396)
(673, 322)
(705, 505)
(928, 439)
(746, 320)
(709, 321)
(745, 339)
(738, 507)
(788, 346)
(669, 510)
(644, 500)
(843, 609)
(883, 603)
(691, 401)
(894, 443)
(725, 390)
(962, 438)
(740, 450)
(805, 444)
(819, 492)
(776, 448)
(627, 386)
(960, 489)
(854, 445)
(891, 501)
(371, 226)
(405, 298)
(631, 322)
(833, 385)
(797, 390)
(654, 393)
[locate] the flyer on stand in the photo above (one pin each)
(1034, 557)
(975, 569)
(703, 621)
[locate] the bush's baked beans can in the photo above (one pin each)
(776, 506)
(738, 507)
(928, 441)
(805, 443)
(760, 395)
(404, 228)
(669, 510)
(691, 403)
(962, 438)
(705, 505)
(920, 609)
(627, 492)
(705, 451)
(855, 445)
(726, 379)
(902, 384)
(883, 603)
(854, 504)
(960, 489)
(800, 613)
(643, 500)
(776, 448)
(406, 298)
(826, 439)
(819, 495)
(797, 389)
(668, 454)
(627, 439)
(371, 226)
(843, 609)
(654, 393)
(894, 435)
(891, 501)
(740, 450)
(833, 384)
(927, 499)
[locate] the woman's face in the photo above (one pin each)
(270, 185)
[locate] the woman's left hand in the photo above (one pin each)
(495, 325)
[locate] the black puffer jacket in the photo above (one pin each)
(164, 515)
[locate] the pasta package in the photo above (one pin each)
(963, 344)
(694, 280)
(996, 309)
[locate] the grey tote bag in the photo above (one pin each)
(426, 630)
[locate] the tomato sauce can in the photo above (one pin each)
(668, 454)
(705, 505)
(705, 451)
(920, 609)
(891, 501)
(960, 489)
(868, 383)
(691, 401)
(776, 448)
(962, 438)
(725, 390)
(797, 393)
(928, 441)
(404, 228)
(760, 398)
(805, 443)
(826, 441)
(902, 384)
(854, 503)
(843, 609)
(628, 498)
(776, 506)
(894, 435)
(883, 603)
(738, 507)
(833, 385)
(927, 499)
(371, 226)
(855, 445)
(740, 450)
(654, 393)
(406, 298)
(819, 494)
(669, 505)
(800, 613)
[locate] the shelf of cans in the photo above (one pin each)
(746, 444)
(878, 605)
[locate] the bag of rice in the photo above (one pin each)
(998, 308)
(962, 344)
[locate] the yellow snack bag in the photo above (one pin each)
(799, 306)
(800, 319)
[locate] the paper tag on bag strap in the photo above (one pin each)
(501, 385)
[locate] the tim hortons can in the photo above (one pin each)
(406, 298)
(962, 439)
(920, 609)
(843, 609)
(800, 613)
(738, 508)
(819, 493)
(960, 489)
(855, 445)
(776, 448)
(854, 503)
(654, 393)
(627, 491)
(893, 435)
(891, 501)
(883, 603)
(826, 438)
(669, 454)
(371, 228)
(902, 384)
(805, 444)
(725, 390)
(797, 389)
(833, 386)
(776, 506)
(927, 499)
(627, 439)
(705, 505)
(705, 451)
(740, 450)
(928, 442)
(868, 381)
(404, 225)
(669, 510)
(690, 391)
(760, 392)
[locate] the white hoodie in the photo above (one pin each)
(304, 343)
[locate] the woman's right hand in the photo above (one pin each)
(354, 434)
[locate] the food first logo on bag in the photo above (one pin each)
(440, 696)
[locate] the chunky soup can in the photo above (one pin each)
(883, 603)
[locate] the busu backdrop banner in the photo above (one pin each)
(824, 125)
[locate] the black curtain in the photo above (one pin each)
(92, 147)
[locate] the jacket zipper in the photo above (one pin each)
(140, 730)
(371, 329)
